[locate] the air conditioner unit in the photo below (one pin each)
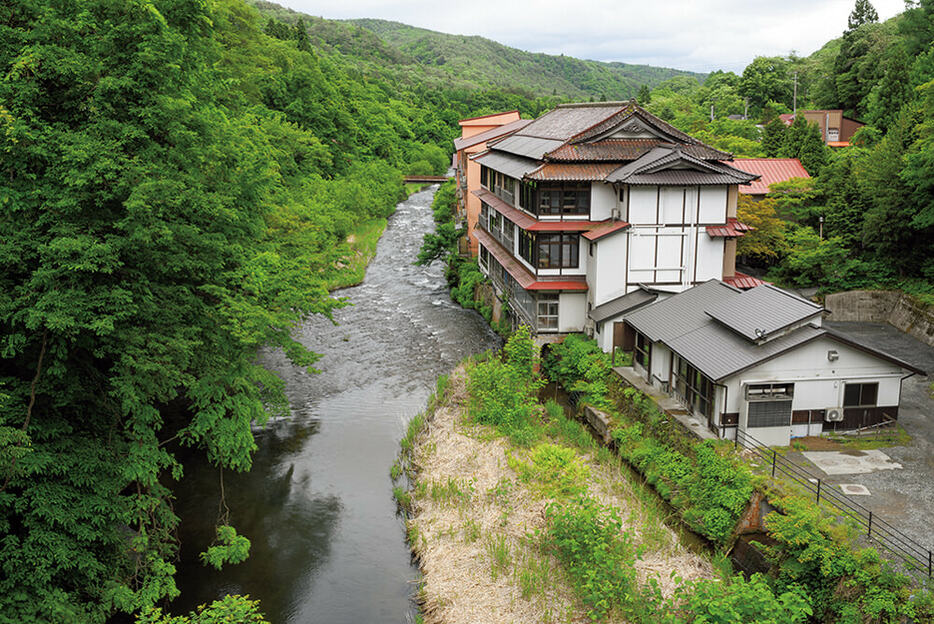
(833, 414)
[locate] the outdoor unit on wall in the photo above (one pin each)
(833, 414)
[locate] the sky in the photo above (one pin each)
(698, 36)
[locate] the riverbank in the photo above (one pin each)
(482, 515)
(361, 249)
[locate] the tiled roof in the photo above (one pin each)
(566, 121)
(733, 229)
(622, 149)
(574, 171)
(762, 311)
(657, 167)
(770, 170)
(525, 278)
(488, 135)
(605, 229)
(743, 281)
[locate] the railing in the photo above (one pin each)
(915, 558)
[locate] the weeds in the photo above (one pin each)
(498, 550)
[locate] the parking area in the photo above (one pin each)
(901, 487)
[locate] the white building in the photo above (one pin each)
(760, 361)
(591, 203)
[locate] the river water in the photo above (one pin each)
(327, 544)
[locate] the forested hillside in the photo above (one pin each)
(417, 55)
(178, 188)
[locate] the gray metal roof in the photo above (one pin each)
(623, 304)
(682, 177)
(530, 147)
(720, 351)
(513, 166)
(658, 166)
(762, 311)
(669, 318)
(490, 134)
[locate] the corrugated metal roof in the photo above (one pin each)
(770, 170)
(762, 311)
(574, 171)
(525, 278)
(733, 229)
(605, 229)
(623, 304)
(513, 166)
(527, 146)
(667, 319)
(743, 281)
(488, 135)
(565, 121)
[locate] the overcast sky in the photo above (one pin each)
(700, 36)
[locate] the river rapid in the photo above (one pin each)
(327, 543)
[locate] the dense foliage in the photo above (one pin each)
(179, 189)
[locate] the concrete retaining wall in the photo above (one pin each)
(884, 306)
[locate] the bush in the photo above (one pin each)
(581, 366)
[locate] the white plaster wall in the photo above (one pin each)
(641, 255)
(713, 204)
(642, 204)
(572, 310)
(671, 204)
(602, 201)
(591, 251)
(709, 257)
(609, 272)
(661, 363)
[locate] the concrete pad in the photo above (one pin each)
(854, 489)
(851, 462)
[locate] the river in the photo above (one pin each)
(327, 544)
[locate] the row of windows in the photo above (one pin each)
(569, 198)
(543, 307)
(694, 388)
(544, 251)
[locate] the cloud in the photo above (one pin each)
(698, 36)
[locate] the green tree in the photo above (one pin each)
(645, 95)
(766, 78)
(773, 137)
(803, 141)
(863, 13)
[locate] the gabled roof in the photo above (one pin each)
(762, 311)
(622, 149)
(718, 350)
(664, 165)
(490, 134)
(770, 171)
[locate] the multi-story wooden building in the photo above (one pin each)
(592, 210)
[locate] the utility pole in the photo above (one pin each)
(746, 109)
(795, 103)
(711, 112)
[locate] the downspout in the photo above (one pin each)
(726, 396)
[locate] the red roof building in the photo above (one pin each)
(770, 171)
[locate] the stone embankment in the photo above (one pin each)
(902, 311)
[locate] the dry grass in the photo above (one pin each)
(479, 557)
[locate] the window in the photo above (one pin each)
(484, 222)
(769, 404)
(641, 351)
(527, 197)
(526, 243)
(860, 394)
(548, 311)
(557, 251)
(509, 235)
(484, 176)
(484, 258)
(693, 387)
(565, 199)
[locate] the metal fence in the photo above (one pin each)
(915, 558)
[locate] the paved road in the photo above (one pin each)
(905, 498)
